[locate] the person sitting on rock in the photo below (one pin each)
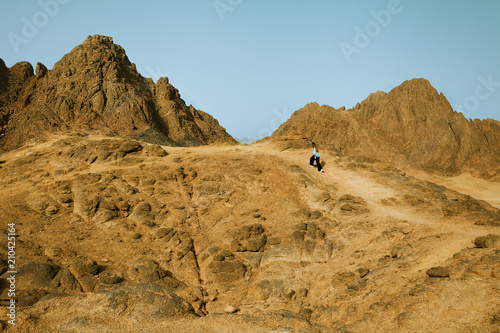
(315, 157)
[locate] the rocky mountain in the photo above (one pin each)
(412, 126)
(96, 89)
(114, 233)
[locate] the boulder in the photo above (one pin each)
(250, 238)
(35, 275)
(489, 241)
(84, 268)
(145, 271)
(227, 271)
(438, 272)
(145, 301)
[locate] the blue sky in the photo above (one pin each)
(251, 63)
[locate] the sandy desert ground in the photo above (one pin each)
(244, 238)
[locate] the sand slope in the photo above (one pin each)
(243, 238)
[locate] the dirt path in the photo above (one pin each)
(458, 235)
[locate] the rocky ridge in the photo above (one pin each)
(116, 233)
(412, 126)
(95, 89)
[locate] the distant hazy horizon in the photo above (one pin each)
(251, 64)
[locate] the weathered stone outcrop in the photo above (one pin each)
(96, 89)
(411, 126)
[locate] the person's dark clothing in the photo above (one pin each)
(311, 161)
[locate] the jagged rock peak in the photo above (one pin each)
(22, 71)
(411, 126)
(101, 54)
(4, 77)
(420, 87)
(98, 40)
(40, 70)
(96, 89)
(416, 82)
